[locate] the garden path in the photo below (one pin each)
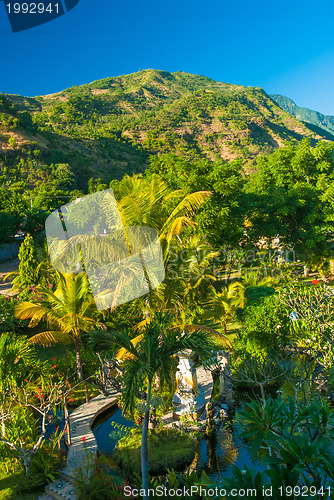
(83, 442)
(5, 268)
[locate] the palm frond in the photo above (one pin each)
(194, 328)
(187, 206)
(46, 339)
(35, 312)
(124, 353)
(132, 382)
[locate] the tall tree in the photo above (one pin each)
(68, 312)
(27, 275)
(289, 196)
(154, 352)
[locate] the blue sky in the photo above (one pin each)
(286, 47)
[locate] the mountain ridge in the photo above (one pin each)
(304, 114)
(111, 126)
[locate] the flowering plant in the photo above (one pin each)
(8, 322)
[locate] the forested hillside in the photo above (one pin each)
(112, 126)
(194, 133)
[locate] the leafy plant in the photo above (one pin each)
(295, 439)
(96, 480)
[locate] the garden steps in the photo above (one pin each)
(60, 489)
(65, 476)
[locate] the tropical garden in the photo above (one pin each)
(248, 274)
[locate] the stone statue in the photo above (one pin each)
(225, 385)
(188, 398)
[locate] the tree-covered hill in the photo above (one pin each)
(325, 122)
(111, 127)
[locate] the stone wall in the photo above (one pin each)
(8, 251)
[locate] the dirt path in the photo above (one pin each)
(7, 267)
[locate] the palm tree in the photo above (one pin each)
(223, 304)
(149, 202)
(68, 312)
(154, 352)
(141, 203)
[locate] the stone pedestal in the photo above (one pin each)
(189, 399)
(225, 385)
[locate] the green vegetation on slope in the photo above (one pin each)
(110, 127)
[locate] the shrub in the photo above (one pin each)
(28, 264)
(296, 447)
(95, 480)
(8, 322)
(265, 325)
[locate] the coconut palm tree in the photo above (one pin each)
(68, 312)
(149, 202)
(154, 352)
(140, 203)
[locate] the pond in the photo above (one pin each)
(216, 454)
(105, 431)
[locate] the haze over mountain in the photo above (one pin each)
(110, 127)
(307, 115)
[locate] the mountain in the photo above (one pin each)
(111, 127)
(324, 122)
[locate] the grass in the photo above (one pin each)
(11, 474)
(78, 395)
(167, 448)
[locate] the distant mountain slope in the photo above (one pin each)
(325, 122)
(110, 127)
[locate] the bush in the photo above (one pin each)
(265, 325)
(8, 322)
(167, 448)
(254, 293)
(28, 265)
(95, 480)
(295, 443)
(8, 227)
